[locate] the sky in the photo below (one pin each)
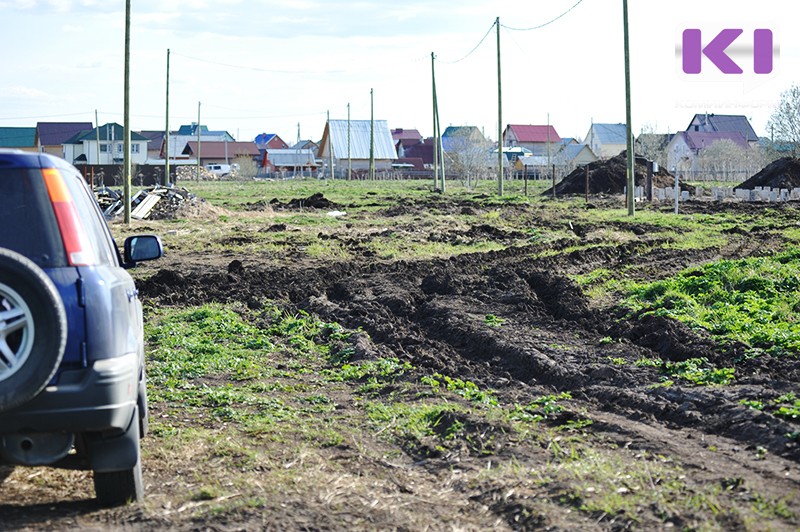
(268, 66)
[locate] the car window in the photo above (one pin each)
(27, 222)
(92, 218)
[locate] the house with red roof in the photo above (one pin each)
(537, 139)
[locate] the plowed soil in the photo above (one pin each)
(553, 340)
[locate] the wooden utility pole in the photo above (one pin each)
(499, 117)
(167, 179)
(330, 144)
(371, 136)
(631, 156)
(435, 126)
(126, 135)
(198, 141)
(438, 153)
(97, 131)
(349, 160)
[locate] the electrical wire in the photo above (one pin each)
(544, 24)
(473, 50)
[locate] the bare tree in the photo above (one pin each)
(724, 160)
(467, 155)
(784, 124)
(247, 167)
(652, 145)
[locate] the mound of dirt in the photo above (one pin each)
(783, 173)
(609, 176)
(314, 201)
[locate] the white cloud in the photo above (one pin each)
(22, 92)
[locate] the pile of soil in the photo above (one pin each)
(314, 201)
(783, 173)
(609, 176)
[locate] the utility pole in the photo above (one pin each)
(198, 141)
(548, 157)
(371, 136)
(167, 179)
(499, 117)
(349, 159)
(330, 144)
(438, 154)
(628, 130)
(435, 126)
(97, 132)
(126, 135)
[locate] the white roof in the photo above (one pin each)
(360, 139)
(290, 157)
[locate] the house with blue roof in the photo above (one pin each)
(572, 156)
(20, 138)
(607, 140)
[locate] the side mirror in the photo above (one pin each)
(142, 247)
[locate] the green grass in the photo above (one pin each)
(751, 300)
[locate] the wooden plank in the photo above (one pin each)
(142, 210)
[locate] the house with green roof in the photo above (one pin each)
(21, 138)
(104, 145)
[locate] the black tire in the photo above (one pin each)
(115, 488)
(33, 329)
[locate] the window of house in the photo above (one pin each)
(134, 148)
(103, 147)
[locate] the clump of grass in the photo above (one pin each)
(751, 300)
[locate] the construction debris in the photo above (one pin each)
(155, 203)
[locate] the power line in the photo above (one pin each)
(544, 24)
(473, 50)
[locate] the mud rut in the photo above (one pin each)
(433, 313)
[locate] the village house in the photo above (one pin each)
(294, 160)
(155, 139)
(571, 156)
(188, 133)
(51, 136)
(405, 138)
(686, 147)
(346, 144)
(714, 123)
(539, 140)
(607, 140)
(20, 138)
(270, 141)
(104, 145)
(219, 152)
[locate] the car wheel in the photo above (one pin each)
(115, 488)
(33, 329)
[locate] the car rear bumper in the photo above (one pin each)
(99, 398)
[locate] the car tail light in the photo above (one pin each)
(79, 250)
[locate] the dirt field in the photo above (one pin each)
(617, 451)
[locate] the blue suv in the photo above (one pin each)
(72, 378)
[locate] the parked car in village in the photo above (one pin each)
(72, 378)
